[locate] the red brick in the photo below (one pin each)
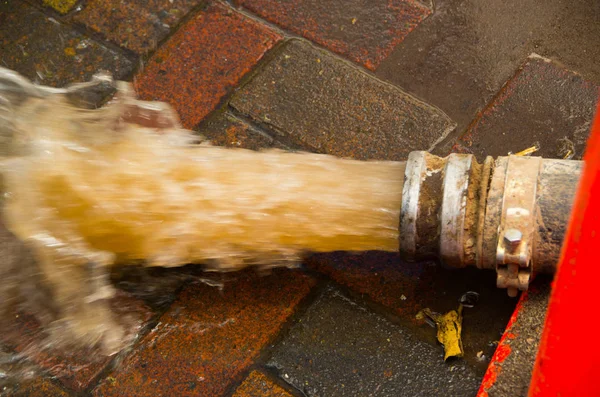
(40, 388)
(542, 103)
(76, 368)
(203, 61)
(365, 33)
(208, 337)
(258, 384)
(50, 52)
(138, 25)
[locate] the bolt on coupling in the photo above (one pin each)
(509, 214)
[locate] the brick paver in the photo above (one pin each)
(49, 52)
(209, 337)
(258, 384)
(339, 348)
(404, 289)
(203, 61)
(320, 102)
(75, 368)
(227, 130)
(461, 56)
(365, 34)
(38, 388)
(138, 25)
(543, 103)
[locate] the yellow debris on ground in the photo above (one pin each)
(61, 6)
(449, 328)
(529, 150)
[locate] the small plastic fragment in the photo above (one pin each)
(469, 299)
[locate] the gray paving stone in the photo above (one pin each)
(339, 348)
(543, 103)
(322, 103)
(227, 130)
(461, 56)
(49, 52)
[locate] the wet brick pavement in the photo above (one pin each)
(228, 130)
(339, 348)
(193, 71)
(461, 56)
(39, 388)
(363, 34)
(511, 367)
(51, 53)
(544, 104)
(77, 368)
(364, 81)
(208, 337)
(315, 100)
(401, 289)
(258, 384)
(138, 25)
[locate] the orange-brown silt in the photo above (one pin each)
(93, 185)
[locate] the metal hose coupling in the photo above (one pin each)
(509, 214)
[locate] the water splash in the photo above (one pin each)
(89, 186)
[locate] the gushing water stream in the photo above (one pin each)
(94, 182)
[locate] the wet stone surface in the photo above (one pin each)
(312, 99)
(462, 55)
(544, 103)
(522, 338)
(208, 338)
(138, 25)
(38, 388)
(401, 289)
(193, 70)
(75, 368)
(339, 348)
(227, 130)
(258, 384)
(364, 34)
(50, 53)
